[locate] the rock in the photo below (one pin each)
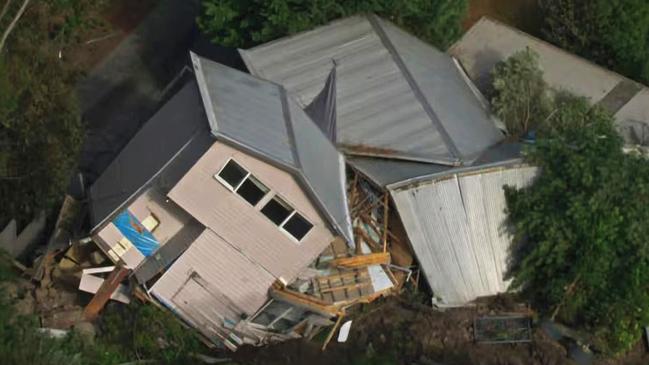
(97, 258)
(86, 330)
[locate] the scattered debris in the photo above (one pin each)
(91, 282)
(343, 334)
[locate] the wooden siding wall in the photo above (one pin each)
(242, 225)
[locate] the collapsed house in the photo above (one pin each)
(416, 129)
(229, 208)
(489, 42)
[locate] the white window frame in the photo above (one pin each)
(259, 205)
(227, 184)
(235, 189)
(281, 225)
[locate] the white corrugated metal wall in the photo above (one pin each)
(456, 228)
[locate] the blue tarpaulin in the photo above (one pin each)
(135, 232)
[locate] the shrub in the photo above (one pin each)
(244, 23)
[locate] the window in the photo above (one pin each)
(284, 216)
(232, 174)
(151, 223)
(239, 180)
(277, 210)
(297, 226)
(252, 190)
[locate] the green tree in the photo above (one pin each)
(581, 228)
(519, 96)
(613, 33)
(244, 23)
(40, 124)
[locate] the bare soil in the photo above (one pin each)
(522, 14)
(413, 333)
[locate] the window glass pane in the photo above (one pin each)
(252, 190)
(232, 173)
(276, 210)
(297, 226)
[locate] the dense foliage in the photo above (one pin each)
(519, 96)
(243, 23)
(582, 227)
(40, 125)
(613, 33)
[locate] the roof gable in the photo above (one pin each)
(257, 116)
(389, 104)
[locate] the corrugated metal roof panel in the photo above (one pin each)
(379, 110)
(456, 228)
(244, 108)
(393, 173)
(633, 118)
(489, 42)
(461, 114)
(321, 163)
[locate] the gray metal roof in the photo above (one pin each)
(489, 42)
(394, 173)
(396, 96)
(160, 153)
(257, 116)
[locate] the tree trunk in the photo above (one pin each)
(13, 23)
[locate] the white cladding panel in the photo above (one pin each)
(457, 229)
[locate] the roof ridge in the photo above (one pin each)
(387, 42)
(289, 127)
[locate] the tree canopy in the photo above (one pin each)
(613, 33)
(40, 126)
(582, 227)
(244, 23)
(519, 96)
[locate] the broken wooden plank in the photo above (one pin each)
(345, 287)
(304, 301)
(381, 258)
(386, 204)
(105, 292)
(333, 330)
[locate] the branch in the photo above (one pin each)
(5, 8)
(13, 23)
(569, 290)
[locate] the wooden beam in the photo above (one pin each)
(386, 205)
(332, 332)
(304, 301)
(104, 292)
(381, 258)
(351, 286)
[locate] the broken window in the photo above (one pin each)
(279, 316)
(151, 223)
(285, 217)
(239, 180)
